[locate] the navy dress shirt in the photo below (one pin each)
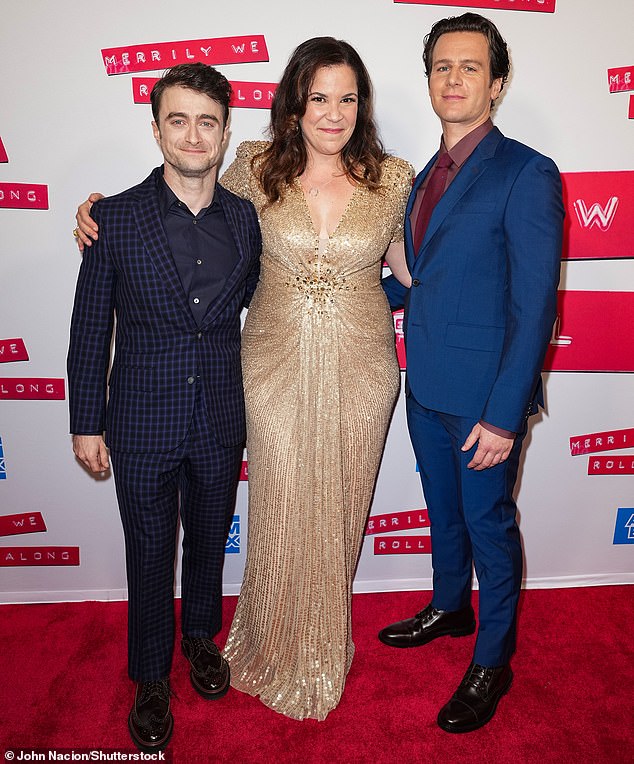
(202, 247)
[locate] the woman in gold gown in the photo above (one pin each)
(320, 372)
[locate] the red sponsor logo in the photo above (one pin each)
(630, 112)
(31, 388)
(397, 521)
(31, 522)
(13, 350)
(400, 339)
(545, 6)
(26, 196)
(601, 441)
(24, 556)
(621, 79)
(592, 332)
(402, 545)
(611, 465)
(244, 471)
(3, 152)
(245, 95)
(218, 50)
(600, 207)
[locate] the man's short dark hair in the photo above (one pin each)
(199, 77)
(499, 64)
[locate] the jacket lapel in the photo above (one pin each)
(469, 173)
(150, 225)
(236, 222)
(409, 234)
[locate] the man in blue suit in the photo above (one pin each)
(176, 260)
(483, 244)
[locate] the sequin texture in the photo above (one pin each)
(321, 378)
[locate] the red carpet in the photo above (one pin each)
(64, 685)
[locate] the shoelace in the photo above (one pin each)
(202, 644)
(426, 614)
(478, 678)
(159, 688)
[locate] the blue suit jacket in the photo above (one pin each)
(162, 358)
(480, 311)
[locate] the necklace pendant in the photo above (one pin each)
(313, 192)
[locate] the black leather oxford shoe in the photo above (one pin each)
(150, 721)
(210, 671)
(427, 625)
(474, 702)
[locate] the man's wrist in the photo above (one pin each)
(498, 430)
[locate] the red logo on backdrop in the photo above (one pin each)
(244, 471)
(630, 113)
(400, 339)
(402, 545)
(592, 332)
(545, 6)
(397, 521)
(31, 388)
(218, 50)
(13, 350)
(621, 79)
(25, 196)
(609, 440)
(600, 207)
(611, 465)
(31, 522)
(245, 95)
(25, 556)
(3, 152)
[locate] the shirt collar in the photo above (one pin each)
(467, 145)
(168, 200)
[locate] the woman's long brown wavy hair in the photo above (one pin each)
(285, 159)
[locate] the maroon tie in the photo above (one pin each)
(433, 191)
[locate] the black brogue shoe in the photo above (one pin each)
(210, 671)
(474, 702)
(427, 625)
(150, 721)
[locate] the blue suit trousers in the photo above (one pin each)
(473, 523)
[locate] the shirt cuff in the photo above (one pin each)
(498, 430)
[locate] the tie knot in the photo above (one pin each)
(444, 160)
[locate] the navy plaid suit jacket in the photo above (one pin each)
(162, 358)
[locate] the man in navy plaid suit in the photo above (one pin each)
(176, 260)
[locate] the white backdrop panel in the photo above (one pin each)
(64, 123)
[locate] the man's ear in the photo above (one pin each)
(227, 131)
(496, 88)
(156, 131)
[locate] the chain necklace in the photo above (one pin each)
(313, 190)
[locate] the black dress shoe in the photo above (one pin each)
(150, 721)
(474, 702)
(427, 625)
(210, 671)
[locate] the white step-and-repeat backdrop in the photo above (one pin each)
(72, 121)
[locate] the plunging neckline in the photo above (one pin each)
(329, 235)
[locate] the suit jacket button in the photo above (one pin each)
(415, 282)
(190, 380)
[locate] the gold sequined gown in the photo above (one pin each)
(320, 379)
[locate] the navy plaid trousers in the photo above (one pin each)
(201, 476)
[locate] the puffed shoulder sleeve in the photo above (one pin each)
(398, 180)
(238, 177)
